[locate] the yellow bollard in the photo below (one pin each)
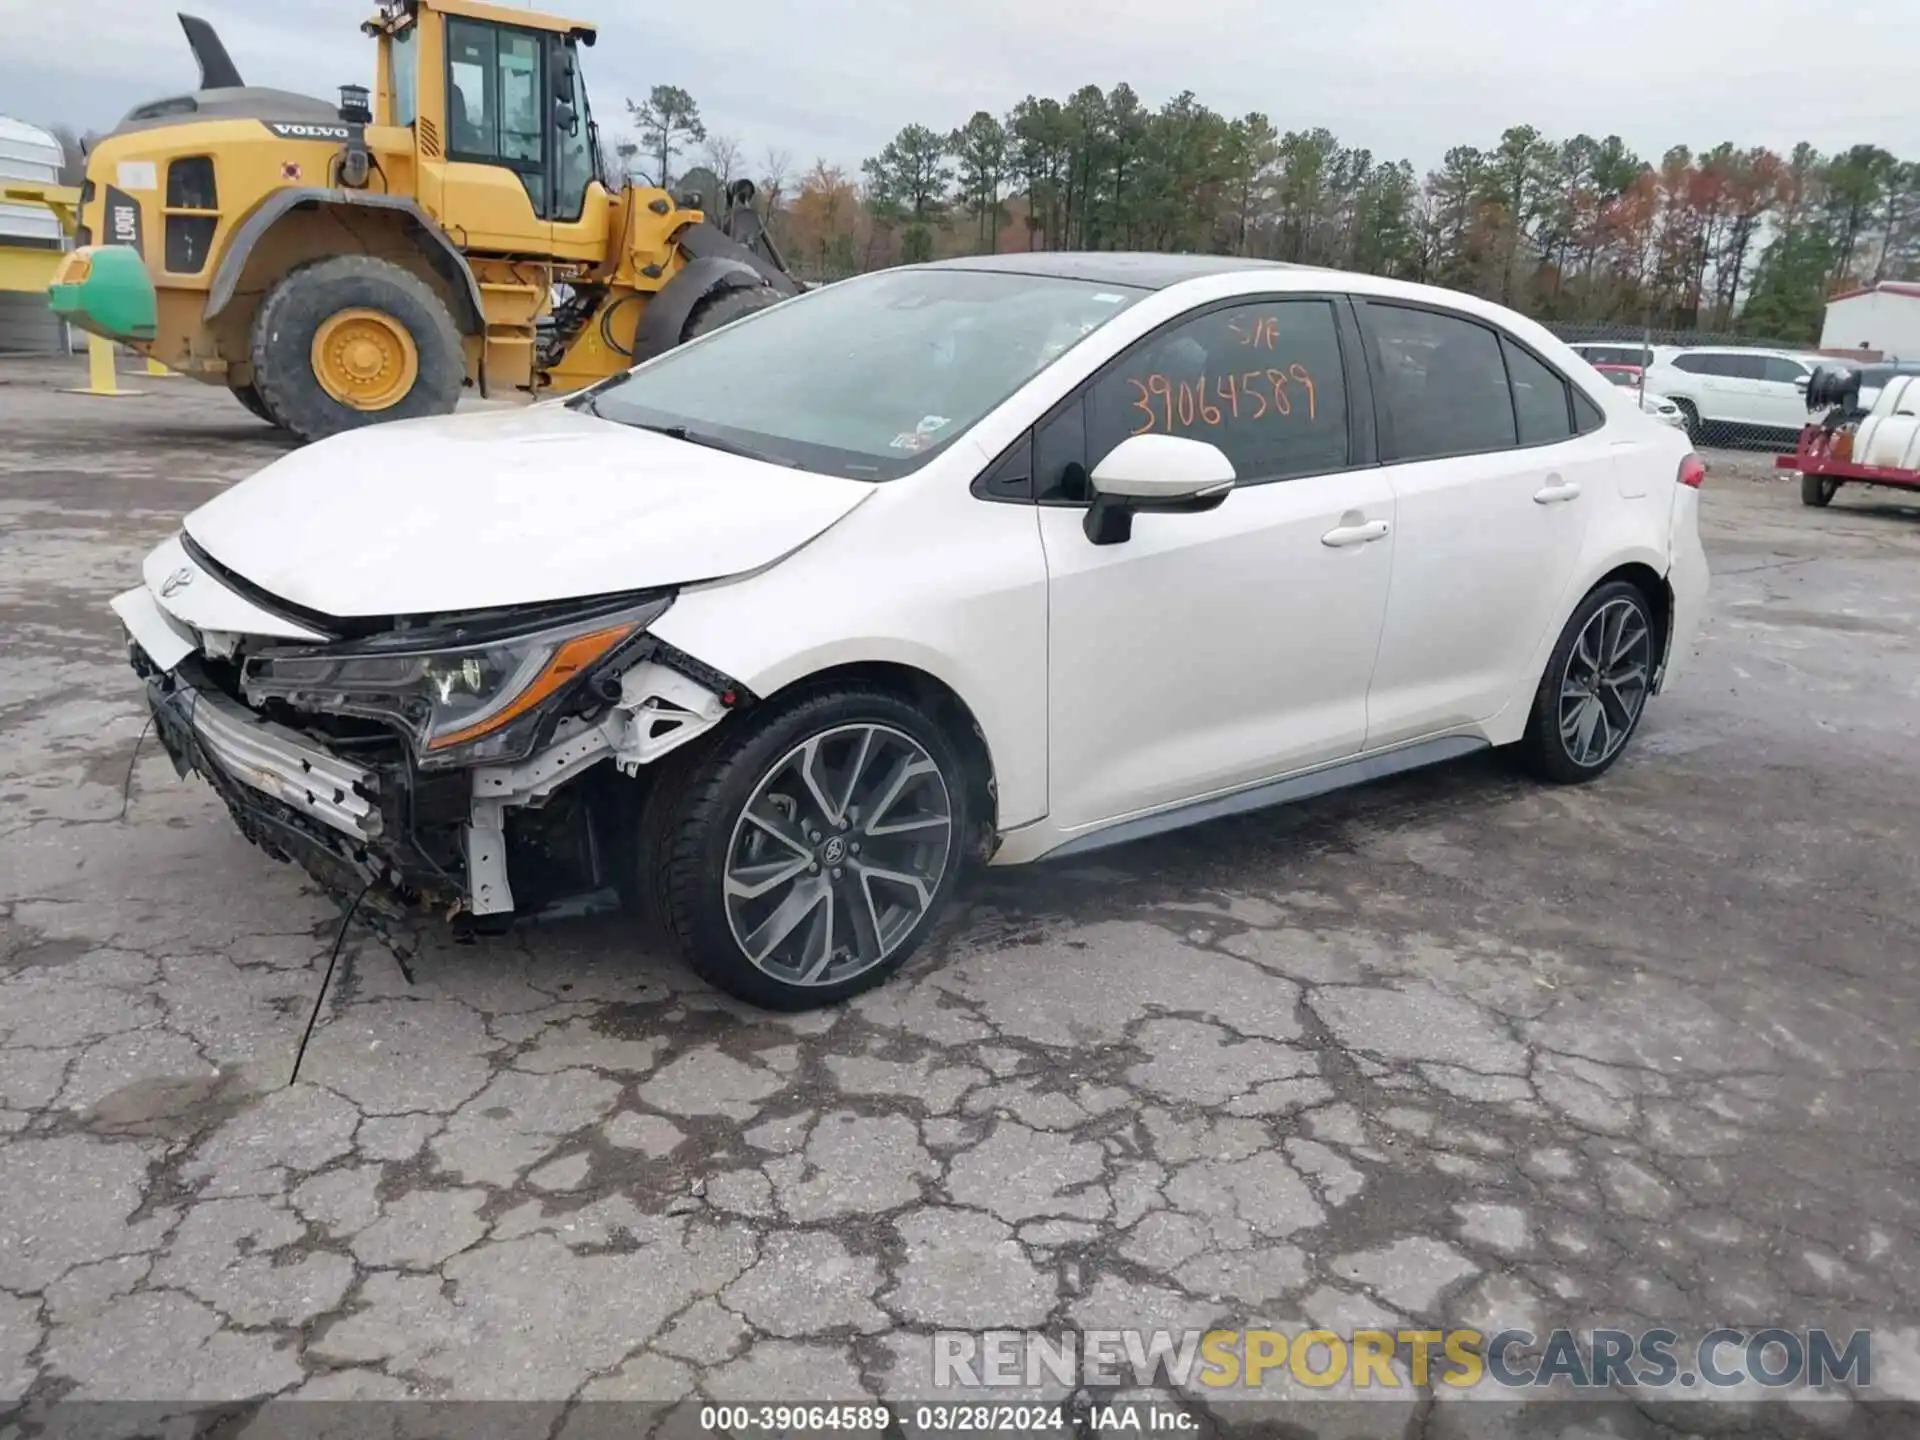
(101, 377)
(159, 371)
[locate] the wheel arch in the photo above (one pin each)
(933, 696)
(295, 225)
(1654, 587)
(1639, 567)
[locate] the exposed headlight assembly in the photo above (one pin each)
(459, 704)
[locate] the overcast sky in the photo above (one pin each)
(836, 78)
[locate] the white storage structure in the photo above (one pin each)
(29, 153)
(1883, 317)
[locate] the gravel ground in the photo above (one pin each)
(1454, 1050)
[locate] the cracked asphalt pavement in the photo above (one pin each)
(1453, 1050)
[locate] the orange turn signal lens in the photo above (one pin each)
(568, 661)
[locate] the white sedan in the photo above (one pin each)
(1632, 378)
(991, 560)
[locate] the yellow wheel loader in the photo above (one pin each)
(453, 229)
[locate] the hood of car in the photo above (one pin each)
(514, 507)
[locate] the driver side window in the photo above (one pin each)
(1263, 381)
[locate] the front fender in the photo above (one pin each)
(469, 312)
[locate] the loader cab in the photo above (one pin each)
(497, 103)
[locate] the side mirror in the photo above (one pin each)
(564, 118)
(1800, 382)
(560, 76)
(1154, 474)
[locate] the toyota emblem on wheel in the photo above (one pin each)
(176, 582)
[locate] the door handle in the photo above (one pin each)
(1557, 493)
(1343, 535)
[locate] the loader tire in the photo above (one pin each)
(353, 340)
(250, 397)
(725, 308)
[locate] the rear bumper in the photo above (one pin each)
(1688, 579)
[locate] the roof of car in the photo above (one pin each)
(1739, 350)
(1140, 269)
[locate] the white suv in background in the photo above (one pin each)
(1614, 352)
(1732, 392)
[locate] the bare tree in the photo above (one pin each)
(722, 155)
(619, 151)
(773, 170)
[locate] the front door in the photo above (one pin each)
(1492, 489)
(1214, 650)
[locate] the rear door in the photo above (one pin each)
(1493, 484)
(1739, 385)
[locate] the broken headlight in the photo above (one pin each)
(460, 704)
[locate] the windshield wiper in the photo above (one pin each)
(715, 442)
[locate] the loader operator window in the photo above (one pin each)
(574, 162)
(403, 55)
(493, 102)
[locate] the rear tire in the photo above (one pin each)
(392, 349)
(1595, 688)
(1696, 432)
(723, 881)
(1818, 490)
(717, 311)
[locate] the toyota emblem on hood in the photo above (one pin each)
(176, 582)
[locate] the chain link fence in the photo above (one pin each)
(1736, 391)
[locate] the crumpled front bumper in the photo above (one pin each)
(298, 802)
(269, 759)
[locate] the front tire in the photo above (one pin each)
(250, 397)
(804, 859)
(353, 340)
(1595, 688)
(1818, 490)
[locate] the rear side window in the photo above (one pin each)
(1587, 416)
(1539, 398)
(1443, 384)
(1262, 381)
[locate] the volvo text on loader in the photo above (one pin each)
(339, 265)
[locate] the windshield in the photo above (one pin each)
(870, 377)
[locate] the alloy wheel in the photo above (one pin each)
(838, 854)
(1605, 684)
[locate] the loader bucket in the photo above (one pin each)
(105, 290)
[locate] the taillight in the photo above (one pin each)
(1692, 471)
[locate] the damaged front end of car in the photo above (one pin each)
(476, 765)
